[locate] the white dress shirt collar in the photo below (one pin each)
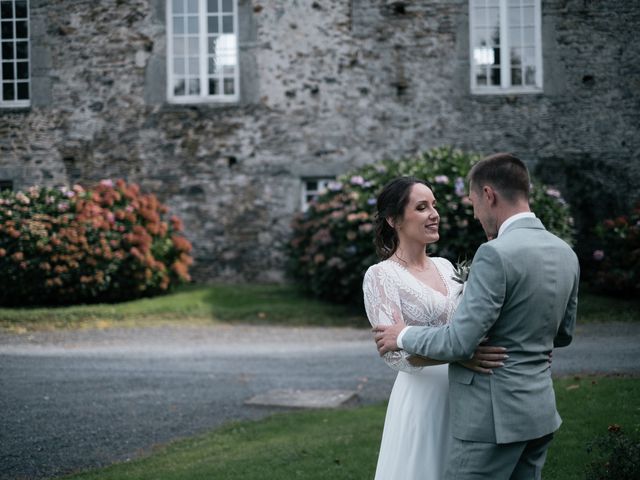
(513, 218)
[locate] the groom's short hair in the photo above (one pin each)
(505, 173)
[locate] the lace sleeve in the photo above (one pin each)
(382, 304)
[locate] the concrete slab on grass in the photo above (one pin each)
(305, 398)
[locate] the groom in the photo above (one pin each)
(522, 295)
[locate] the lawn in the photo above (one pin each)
(255, 304)
(342, 444)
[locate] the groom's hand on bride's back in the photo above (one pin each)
(386, 337)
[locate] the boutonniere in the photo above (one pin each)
(461, 272)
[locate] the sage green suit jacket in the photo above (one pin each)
(521, 294)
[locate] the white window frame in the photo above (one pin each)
(505, 86)
(15, 103)
(203, 77)
(308, 195)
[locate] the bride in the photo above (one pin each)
(409, 286)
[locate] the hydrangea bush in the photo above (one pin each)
(332, 242)
(614, 266)
(107, 243)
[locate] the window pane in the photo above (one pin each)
(514, 17)
(516, 56)
(214, 86)
(177, 6)
(21, 30)
(192, 25)
(194, 86)
(528, 16)
(228, 86)
(212, 23)
(212, 66)
(194, 66)
(178, 46)
(484, 56)
(22, 49)
(6, 10)
(228, 70)
(21, 9)
(516, 76)
(530, 75)
(227, 6)
(8, 91)
(23, 91)
(23, 70)
(493, 18)
(528, 37)
(515, 38)
(178, 86)
(7, 50)
(212, 6)
(484, 37)
(481, 76)
(495, 76)
(178, 25)
(194, 46)
(7, 71)
(227, 24)
(7, 30)
(192, 6)
(311, 185)
(179, 66)
(529, 56)
(212, 42)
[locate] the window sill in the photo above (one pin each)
(506, 91)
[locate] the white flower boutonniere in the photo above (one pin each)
(461, 273)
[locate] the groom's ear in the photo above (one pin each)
(489, 193)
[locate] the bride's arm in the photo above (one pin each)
(382, 304)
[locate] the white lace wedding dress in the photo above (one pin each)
(416, 429)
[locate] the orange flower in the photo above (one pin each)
(3, 252)
(17, 257)
(181, 243)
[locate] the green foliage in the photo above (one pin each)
(617, 456)
(109, 243)
(614, 266)
(332, 243)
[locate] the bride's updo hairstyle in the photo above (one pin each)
(391, 203)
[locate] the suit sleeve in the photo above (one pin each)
(383, 307)
(568, 323)
(479, 309)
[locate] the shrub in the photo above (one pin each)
(332, 242)
(109, 243)
(614, 266)
(616, 456)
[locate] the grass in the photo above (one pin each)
(343, 444)
(255, 304)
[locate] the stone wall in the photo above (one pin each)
(325, 85)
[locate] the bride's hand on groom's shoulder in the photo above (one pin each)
(486, 358)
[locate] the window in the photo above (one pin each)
(6, 185)
(312, 187)
(14, 53)
(506, 46)
(202, 51)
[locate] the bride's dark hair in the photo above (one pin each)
(391, 203)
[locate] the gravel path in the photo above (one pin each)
(80, 399)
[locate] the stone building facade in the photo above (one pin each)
(324, 85)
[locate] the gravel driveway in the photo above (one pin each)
(79, 399)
